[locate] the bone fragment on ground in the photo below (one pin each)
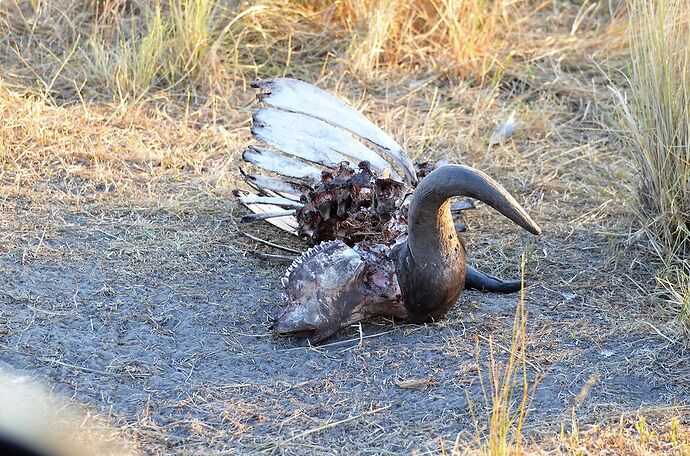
(504, 131)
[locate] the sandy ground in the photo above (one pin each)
(157, 320)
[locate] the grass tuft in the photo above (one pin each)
(131, 68)
(660, 432)
(472, 39)
(655, 120)
(508, 393)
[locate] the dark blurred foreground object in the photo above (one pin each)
(13, 446)
(35, 422)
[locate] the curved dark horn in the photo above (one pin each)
(429, 202)
(477, 280)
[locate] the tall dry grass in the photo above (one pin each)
(508, 410)
(126, 49)
(655, 120)
(474, 39)
(506, 392)
(132, 49)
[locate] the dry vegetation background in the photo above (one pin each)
(136, 112)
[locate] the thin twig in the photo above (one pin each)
(87, 369)
(272, 256)
(309, 432)
(358, 339)
(271, 244)
(234, 386)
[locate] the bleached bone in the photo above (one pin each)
(275, 200)
(303, 98)
(275, 215)
(505, 131)
(268, 216)
(279, 164)
(264, 183)
(311, 139)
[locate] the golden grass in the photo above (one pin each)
(505, 389)
(132, 68)
(507, 412)
(124, 49)
(655, 121)
(658, 433)
(472, 39)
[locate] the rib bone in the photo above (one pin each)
(275, 200)
(279, 164)
(311, 139)
(303, 98)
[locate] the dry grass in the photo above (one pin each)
(468, 38)
(657, 433)
(655, 119)
(119, 109)
(506, 413)
(642, 435)
(124, 49)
